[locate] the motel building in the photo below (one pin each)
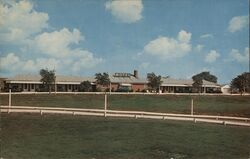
(120, 82)
(170, 85)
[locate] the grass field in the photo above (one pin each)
(26, 136)
(214, 105)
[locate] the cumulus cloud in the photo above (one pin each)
(235, 55)
(238, 23)
(168, 48)
(199, 48)
(15, 64)
(57, 43)
(206, 36)
(37, 64)
(9, 62)
(18, 21)
(144, 65)
(184, 36)
(212, 56)
(21, 24)
(128, 11)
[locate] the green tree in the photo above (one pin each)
(48, 78)
(241, 83)
(197, 83)
(85, 86)
(154, 81)
(198, 79)
(102, 79)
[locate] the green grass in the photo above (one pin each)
(62, 100)
(68, 137)
(214, 105)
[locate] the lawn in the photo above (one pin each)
(214, 105)
(68, 137)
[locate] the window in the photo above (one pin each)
(32, 86)
(25, 86)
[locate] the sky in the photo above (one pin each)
(176, 38)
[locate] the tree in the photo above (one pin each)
(85, 86)
(198, 79)
(48, 78)
(154, 81)
(197, 84)
(241, 82)
(102, 79)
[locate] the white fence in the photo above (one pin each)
(121, 93)
(226, 120)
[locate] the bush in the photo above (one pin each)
(98, 89)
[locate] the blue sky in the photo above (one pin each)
(176, 38)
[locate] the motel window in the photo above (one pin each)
(25, 86)
(69, 86)
(32, 86)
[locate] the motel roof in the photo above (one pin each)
(185, 82)
(61, 79)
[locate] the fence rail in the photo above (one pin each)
(226, 120)
(121, 93)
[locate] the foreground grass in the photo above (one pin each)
(214, 105)
(32, 136)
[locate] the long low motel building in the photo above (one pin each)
(32, 83)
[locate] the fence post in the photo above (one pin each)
(105, 105)
(109, 87)
(192, 106)
(9, 100)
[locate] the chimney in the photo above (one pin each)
(136, 74)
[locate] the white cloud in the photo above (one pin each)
(212, 56)
(37, 64)
(21, 24)
(14, 64)
(144, 65)
(9, 62)
(168, 48)
(57, 43)
(235, 55)
(206, 36)
(60, 55)
(238, 23)
(18, 21)
(184, 36)
(128, 11)
(199, 48)
(85, 59)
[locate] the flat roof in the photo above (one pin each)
(62, 79)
